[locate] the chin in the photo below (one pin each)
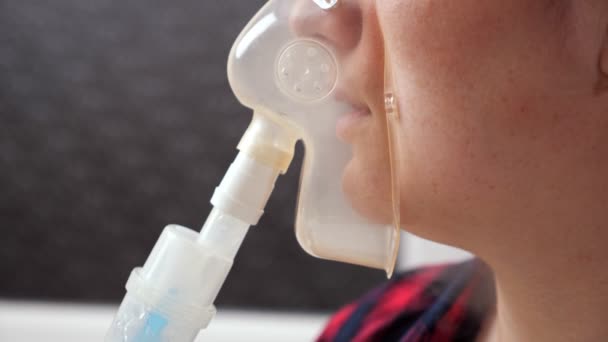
(368, 189)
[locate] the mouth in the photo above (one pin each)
(347, 124)
(350, 122)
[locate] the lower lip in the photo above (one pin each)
(347, 122)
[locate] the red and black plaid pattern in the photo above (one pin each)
(444, 303)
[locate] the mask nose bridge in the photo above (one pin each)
(326, 4)
(340, 27)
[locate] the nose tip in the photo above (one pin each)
(340, 26)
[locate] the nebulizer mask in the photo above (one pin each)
(293, 65)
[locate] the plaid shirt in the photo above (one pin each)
(444, 303)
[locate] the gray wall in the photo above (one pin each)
(115, 119)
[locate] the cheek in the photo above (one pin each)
(464, 73)
(439, 44)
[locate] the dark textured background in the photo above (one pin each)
(115, 119)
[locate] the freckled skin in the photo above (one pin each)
(503, 147)
(497, 114)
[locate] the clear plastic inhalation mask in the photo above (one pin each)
(301, 65)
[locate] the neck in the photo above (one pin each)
(553, 297)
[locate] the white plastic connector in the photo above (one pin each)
(245, 189)
(266, 150)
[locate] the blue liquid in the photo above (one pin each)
(152, 330)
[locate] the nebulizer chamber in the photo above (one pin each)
(290, 78)
(171, 297)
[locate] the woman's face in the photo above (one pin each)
(500, 120)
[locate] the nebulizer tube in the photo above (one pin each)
(171, 297)
(298, 82)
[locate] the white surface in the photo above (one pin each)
(416, 252)
(43, 322)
